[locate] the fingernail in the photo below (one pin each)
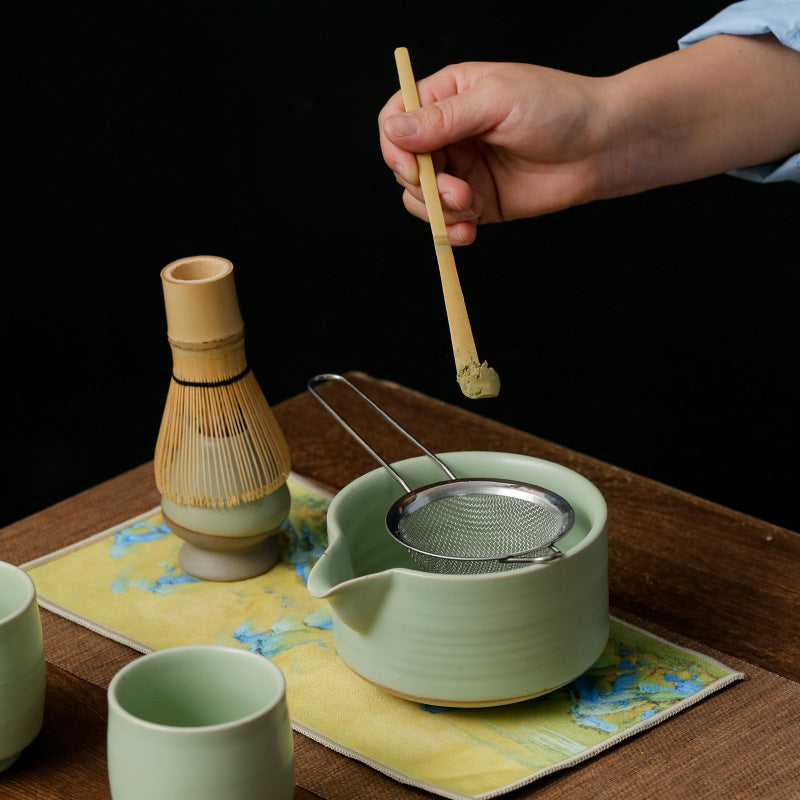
(450, 201)
(457, 237)
(409, 175)
(402, 125)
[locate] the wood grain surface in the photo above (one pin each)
(697, 573)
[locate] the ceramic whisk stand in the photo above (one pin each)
(221, 460)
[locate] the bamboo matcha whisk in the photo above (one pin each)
(221, 460)
(213, 395)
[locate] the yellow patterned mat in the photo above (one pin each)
(126, 584)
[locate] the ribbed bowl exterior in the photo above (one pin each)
(465, 640)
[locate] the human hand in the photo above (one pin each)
(508, 141)
(517, 140)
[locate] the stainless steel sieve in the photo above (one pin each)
(466, 525)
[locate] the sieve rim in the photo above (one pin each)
(460, 486)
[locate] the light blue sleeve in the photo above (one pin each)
(747, 18)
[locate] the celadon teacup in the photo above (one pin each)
(22, 666)
(204, 722)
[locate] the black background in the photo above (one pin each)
(656, 332)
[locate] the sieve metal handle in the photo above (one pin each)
(530, 559)
(325, 378)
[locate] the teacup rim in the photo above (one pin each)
(196, 729)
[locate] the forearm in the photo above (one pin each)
(721, 104)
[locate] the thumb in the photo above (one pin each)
(436, 125)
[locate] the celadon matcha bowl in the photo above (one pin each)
(464, 640)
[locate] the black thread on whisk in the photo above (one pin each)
(211, 384)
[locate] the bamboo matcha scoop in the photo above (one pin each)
(476, 379)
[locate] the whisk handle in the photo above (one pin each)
(325, 378)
